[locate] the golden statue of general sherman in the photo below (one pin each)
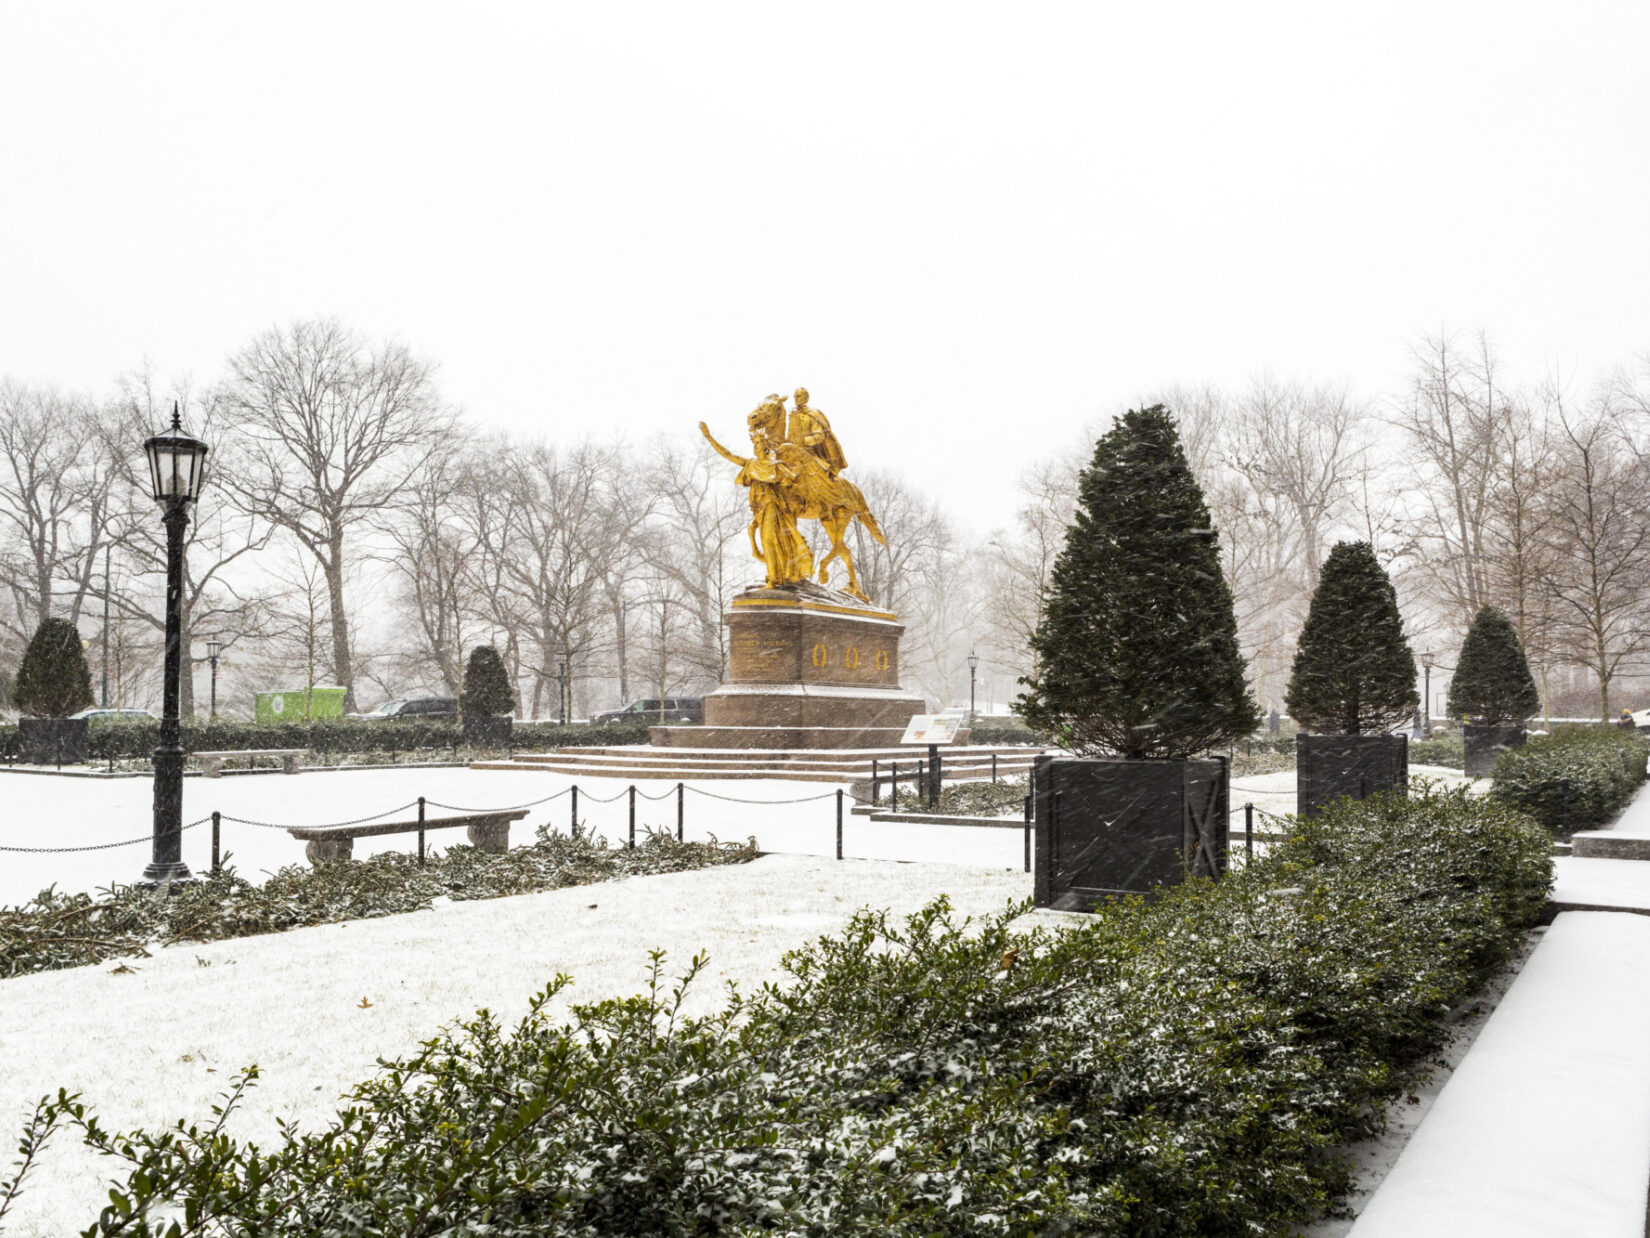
(795, 474)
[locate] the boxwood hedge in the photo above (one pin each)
(127, 740)
(1573, 779)
(1182, 1067)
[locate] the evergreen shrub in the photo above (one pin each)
(1492, 683)
(53, 680)
(1448, 750)
(487, 691)
(1574, 779)
(1183, 1067)
(1137, 647)
(1354, 673)
(125, 740)
(72, 930)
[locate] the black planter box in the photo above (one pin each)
(488, 730)
(52, 741)
(1106, 828)
(1484, 744)
(1330, 766)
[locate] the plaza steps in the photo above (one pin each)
(789, 764)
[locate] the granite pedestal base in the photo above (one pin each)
(808, 667)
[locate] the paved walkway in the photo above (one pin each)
(1544, 1129)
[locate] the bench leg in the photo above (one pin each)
(212, 766)
(329, 850)
(493, 839)
(289, 764)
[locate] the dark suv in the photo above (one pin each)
(672, 709)
(416, 707)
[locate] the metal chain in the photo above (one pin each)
(323, 825)
(97, 846)
(510, 808)
(734, 799)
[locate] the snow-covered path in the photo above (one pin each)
(161, 1041)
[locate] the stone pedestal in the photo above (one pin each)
(808, 667)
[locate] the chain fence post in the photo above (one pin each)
(993, 769)
(632, 844)
(1248, 833)
(574, 828)
(839, 823)
(893, 789)
(217, 818)
(875, 782)
(421, 831)
(1028, 830)
(680, 813)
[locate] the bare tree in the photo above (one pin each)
(220, 539)
(334, 429)
(1454, 420)
(1598, 549)
(56, 476)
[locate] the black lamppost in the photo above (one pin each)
(177, 461)
(973, 665)
(213, 648)
(1426, 696)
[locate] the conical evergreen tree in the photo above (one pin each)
(1354, 672)
(53, 680)
(487, 688)
(1492, 684)
(1137, 647)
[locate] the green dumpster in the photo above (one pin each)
(288, 706)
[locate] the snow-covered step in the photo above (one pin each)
(1543, 1131)
(1590, 883)
(1626, 838)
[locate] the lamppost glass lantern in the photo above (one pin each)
(177, 462)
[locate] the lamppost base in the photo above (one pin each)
(157, 875)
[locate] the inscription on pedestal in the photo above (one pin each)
(810, 648)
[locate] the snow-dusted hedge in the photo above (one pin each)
(127, 740)
(1186, 1067)
(1575, 778)
(70, 930)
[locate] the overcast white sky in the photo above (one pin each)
(966, 229)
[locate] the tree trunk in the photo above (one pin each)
(343, 669)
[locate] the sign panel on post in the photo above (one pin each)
(932, 729)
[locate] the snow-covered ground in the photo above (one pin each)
(160, 1042)
(50, 811)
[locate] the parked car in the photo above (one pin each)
(116, 715)
(671, 709)
(414, 708)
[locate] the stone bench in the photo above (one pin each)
(212, 762)
(331, 844)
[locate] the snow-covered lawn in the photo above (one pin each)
(161, 1041)
(46, 811)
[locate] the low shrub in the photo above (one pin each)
(981, 799)
(998, 731)
(71, 930)
(1447, 750)
(1181, 1067)
(138, 740)
(1573, 779)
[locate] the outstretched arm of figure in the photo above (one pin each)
(722, 451)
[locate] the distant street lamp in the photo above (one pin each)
(1426, 696)
(562, 677)
(973, 665)
(213, 648)
(177, 462)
